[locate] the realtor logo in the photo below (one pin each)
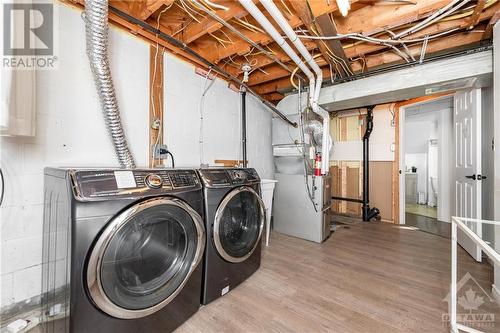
(474, 305)
(29, 35)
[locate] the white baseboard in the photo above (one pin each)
(495, 291)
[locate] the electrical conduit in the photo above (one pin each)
(96, 28)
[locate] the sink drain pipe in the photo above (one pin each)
(96, 29)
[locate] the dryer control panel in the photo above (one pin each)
(229, 177)
(95, 184)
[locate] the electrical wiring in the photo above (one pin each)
(214, 5)
(286, 7)
(155, 67)
(364, 38)
(200, 107)
(247, 25)
(429, 19)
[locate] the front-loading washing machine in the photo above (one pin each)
(121, 250)
(234, 217)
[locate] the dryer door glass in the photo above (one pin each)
(146, 258)
(239, 223)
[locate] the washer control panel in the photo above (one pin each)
(229, 177)
(95, 184)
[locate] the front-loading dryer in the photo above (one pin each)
(234, 220)
(121, 250)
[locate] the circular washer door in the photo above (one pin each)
(238, 225)
(144, 257)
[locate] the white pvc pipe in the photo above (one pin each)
(287, 29)
(264, 22)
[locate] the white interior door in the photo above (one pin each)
(467, 167)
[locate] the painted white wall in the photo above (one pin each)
(221, 121)
(381, 140)
(70, 132)
(417, 135)
(487, 163)
(420, 162)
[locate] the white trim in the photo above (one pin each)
(496, 293)
(460, 223)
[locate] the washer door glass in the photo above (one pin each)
(239, 223)
(148, 258)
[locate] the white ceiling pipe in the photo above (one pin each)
(264, 22)
(287, 29)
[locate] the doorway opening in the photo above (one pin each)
(426, 136)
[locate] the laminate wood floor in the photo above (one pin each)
(364, 278)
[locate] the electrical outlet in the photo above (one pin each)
(160, 151)
(155, 124)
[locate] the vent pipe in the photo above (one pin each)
(96, 28)
(292, 36)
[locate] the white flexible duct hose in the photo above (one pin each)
(287, 29)
(96, 28)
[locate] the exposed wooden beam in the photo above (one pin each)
(319, 7)
(240, 47)
(474, 19)
(386, 58)
(155, 100)
(209, 25)
(357, 49)
(373, 19)
(304, 11)
(140, 9)
(327, 28)
(488, 32)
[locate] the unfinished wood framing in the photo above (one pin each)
(186, 21)
(156, 100)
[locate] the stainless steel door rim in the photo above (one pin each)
(218, 218)
(94, 282)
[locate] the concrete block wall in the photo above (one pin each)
(70, 132)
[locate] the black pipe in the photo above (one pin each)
(177, 43)
(244, 125)
(347, 199)
(368, 213)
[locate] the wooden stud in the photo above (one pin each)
(474, 19)
(156, 102)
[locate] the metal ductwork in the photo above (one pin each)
(96, 27)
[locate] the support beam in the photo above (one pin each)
(155, 100)
(304, 11)
(327, 28)
(409, 82)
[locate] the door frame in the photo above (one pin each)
(400, 147)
